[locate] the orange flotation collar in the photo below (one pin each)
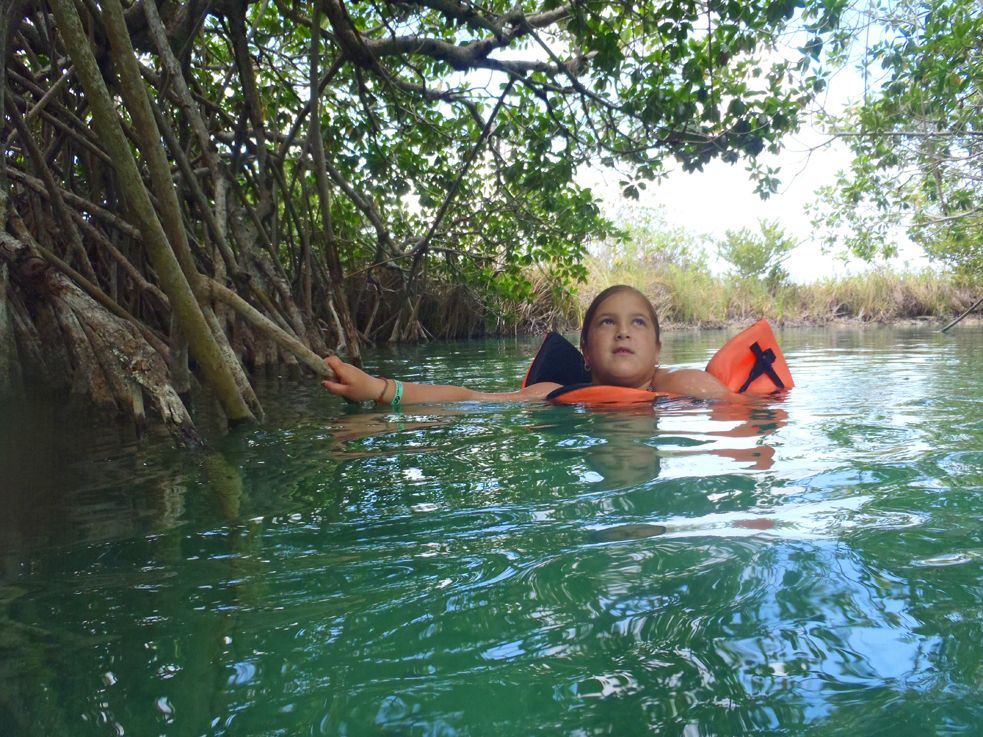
(595, 394)
(750, 363)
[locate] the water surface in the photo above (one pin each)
(808, 565)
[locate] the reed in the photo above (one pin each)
(886, 294)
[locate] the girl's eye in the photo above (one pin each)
(640, 321)
(606, 321)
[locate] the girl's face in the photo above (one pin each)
(621, 348)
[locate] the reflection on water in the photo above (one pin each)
(807, 565)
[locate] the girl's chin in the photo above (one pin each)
(631, 381)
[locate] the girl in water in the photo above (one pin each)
(620, 343)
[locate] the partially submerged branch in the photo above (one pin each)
(262, 323)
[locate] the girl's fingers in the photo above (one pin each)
(335, 364)
(349, 381)
(340, 374)
(336, 388)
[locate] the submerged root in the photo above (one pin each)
(74, 342)
(134, 365)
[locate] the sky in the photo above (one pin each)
(722, 198)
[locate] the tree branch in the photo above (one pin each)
(262, 323)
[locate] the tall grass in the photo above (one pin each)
(689, 295)
(699, 299)
(888, 294)
(669, 264)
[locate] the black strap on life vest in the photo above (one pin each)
(556, 393)
(762, 365)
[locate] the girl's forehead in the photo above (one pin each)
(624, 301)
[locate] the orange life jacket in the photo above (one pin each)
(750, 362)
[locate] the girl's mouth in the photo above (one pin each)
(623, 352)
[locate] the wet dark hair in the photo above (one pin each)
(610, 292)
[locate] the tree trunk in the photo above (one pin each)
(10, 373)
(180, 374)
(88, 377)
(93, 351)
(173, 280)
(324, 190)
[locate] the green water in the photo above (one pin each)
(809, 566)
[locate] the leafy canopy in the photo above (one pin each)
(414, 84)
(917, 139)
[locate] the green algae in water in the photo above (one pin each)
(811, 566)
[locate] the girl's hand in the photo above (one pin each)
(352, 383)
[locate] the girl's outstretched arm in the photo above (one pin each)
(355, 384)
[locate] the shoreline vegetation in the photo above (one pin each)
(670, 264)
(882, 295)
(687, 300)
